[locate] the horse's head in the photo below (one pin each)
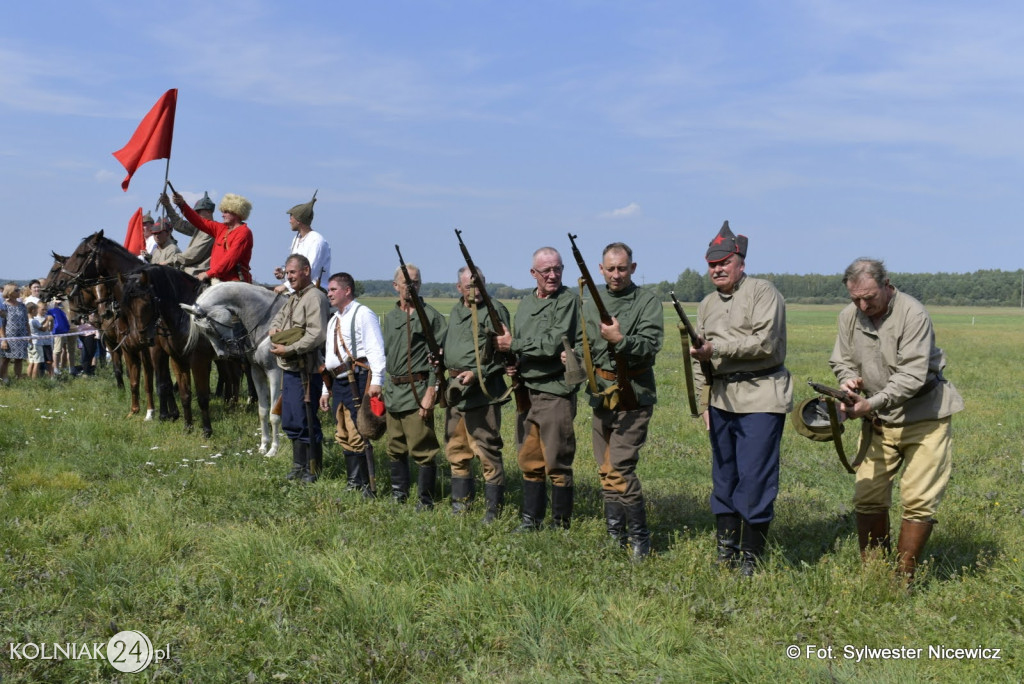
(222, 328)
(139, 307)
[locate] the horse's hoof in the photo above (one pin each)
(207, 432)
(149, 414)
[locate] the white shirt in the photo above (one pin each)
(369, 342)
(314, 247)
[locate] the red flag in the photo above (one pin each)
(152, 139)
(133, 240)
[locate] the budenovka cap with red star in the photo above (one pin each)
(726, 244)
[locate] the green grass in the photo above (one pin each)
(112, 523)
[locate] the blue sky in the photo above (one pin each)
(821, 130)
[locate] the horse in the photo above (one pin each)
(235, 318)
(89, 279)
(151, 298)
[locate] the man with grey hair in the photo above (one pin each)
(743, 325)
(885, 354)
(545, 435)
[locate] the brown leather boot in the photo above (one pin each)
(913, 536)
(873, 532)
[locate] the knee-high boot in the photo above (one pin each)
(873, 532)
(639, 535)
(426, 482)
(534, 505)
(300, 461)
(494, 498)
(462, 494)
(561, 506)
(913, 536)
(615, 519)
(752, 542)
(727, 536)
(399, 479)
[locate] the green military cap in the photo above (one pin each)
(147, 218)
(303, 213)
(811, 420)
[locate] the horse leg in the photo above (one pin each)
(165, 387)
(183, 374)
(202, 363)
(147, 367)
(116, 362)
(275, 376)
(134, 368)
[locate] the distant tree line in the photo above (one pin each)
(981, 288)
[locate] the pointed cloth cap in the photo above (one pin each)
(205, 204)
(303, 213)
(147, 219)
(724, 244)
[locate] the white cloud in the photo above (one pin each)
(631, 209)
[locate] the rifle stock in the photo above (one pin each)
(519, 390)
(433, 348)
(626, 393)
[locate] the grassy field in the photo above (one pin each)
(110, 523)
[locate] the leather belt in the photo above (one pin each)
(741, 376)
(610, 375)
(409, 379)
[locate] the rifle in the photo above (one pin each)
(522, 395)
(695, 342)
(626, 394)
(433, 348)
(848, 398)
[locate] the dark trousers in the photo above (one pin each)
(293, 407)
(745, 463)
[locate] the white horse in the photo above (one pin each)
(235, 318)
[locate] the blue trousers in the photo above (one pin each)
(745, 463)
(293, 407)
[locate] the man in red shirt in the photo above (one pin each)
(232, 239)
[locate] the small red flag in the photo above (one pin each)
(134, 242)
(152, 139)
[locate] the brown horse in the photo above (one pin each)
(150, 300)
(89, 280)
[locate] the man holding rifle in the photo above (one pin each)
(547, 442)
(625, 328)
(743, 326)
(476, 391)
(411, 390)
(885, 353)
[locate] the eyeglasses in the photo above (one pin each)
(553, 270)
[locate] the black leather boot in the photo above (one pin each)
(399, 480)
(752, 542)
(561, 506)
(426, 482)
(615, 519)
(315, 454)
(639, 535)
(462, 494)
(534, 505)
(494, 498)
(352, 471)
(299, 461)
(728, 537)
